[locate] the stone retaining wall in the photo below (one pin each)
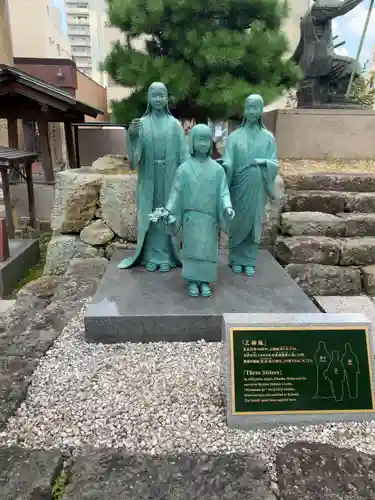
(327, 233)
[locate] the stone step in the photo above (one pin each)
(325, 250)
(358, 224)
(359, 183)
(318, 279)
(308, 249)
(343, 224)
(329, 202)
(312, 224)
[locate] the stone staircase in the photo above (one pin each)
(327, 240)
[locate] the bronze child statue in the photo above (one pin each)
(199, 201)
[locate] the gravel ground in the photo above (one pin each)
(155, 398)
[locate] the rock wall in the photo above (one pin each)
(327, 233)
(95, 211)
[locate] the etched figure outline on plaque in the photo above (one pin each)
(266, 375)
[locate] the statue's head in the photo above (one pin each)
(253, 109)
(200, 140)
(157, 97)
(335, 355)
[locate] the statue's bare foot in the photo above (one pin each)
(193, 289)
(249, 271)
(205, 290)
(151, 267)
(165, 268)
(237, 269)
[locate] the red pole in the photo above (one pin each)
(4, 242)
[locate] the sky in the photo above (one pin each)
(350, 28)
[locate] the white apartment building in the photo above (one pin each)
(37, 30)
(85, 24)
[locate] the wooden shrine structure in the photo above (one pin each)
(25, 97)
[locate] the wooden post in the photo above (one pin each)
(13, 143)
(7, 201)
(30, 194)
(70, 144)
(4, 242)
(46, 151)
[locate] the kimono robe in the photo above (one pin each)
(249, 188)
(198, 199)
(157, 152)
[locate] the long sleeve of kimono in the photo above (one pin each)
(271, 170)
(225, 201)
(174, 201)
(227, 160)
(134, 149)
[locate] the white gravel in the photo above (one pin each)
(155, 398)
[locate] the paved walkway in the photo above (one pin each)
(357, 304)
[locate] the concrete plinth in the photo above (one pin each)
(137, 306)
(325, 134)
(24, 254)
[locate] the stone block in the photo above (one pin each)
(307, 249)
(358, 224)
(275, 383)
(361, 202)
(133, 305)
(330, 202)
(311, 223)
(357, 251)
(97, 233)
(312, 471)
(76, 199)
(317, 279)
(28, 474)
(62, 249)
(24, 254)
(116, 475)
(368, 273)
(118, 205)
(343, 182)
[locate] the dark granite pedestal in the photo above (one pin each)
(134, 305)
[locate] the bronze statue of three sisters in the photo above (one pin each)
(181, 188)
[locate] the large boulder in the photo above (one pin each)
(62, 249)
(111, 164)
(76, 199)
(315, 471)
(118, 205)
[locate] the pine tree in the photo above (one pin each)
(210, 54)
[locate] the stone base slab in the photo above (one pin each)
(24, 254)
(137, 306)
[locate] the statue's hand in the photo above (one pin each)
(230, 213)
(157, 214)
(259, 162)
(171, 219)
(135, 127)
